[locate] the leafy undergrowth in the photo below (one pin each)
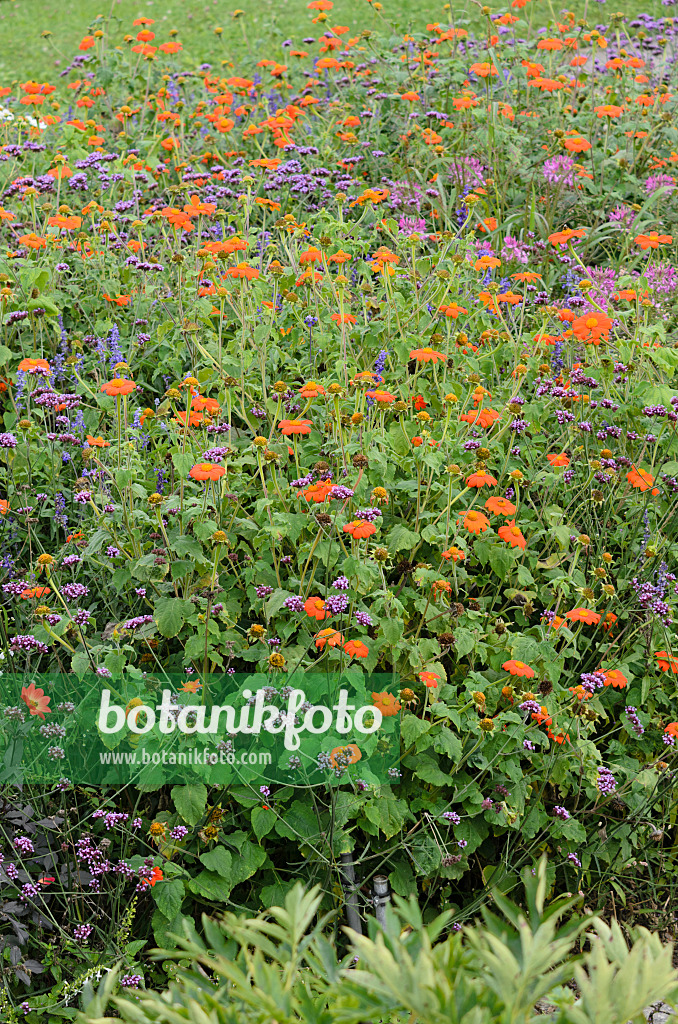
(357, 366)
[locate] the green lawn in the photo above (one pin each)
(27, 54)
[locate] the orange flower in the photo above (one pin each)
(577, 145)
(311, 255)
(356, 649)
(640, 478)
(500, 506)
(430, 679)
(386, 703)
(210, 405)
(609, 110)
(33, 241)
(385, 397)
(475, 522)
(289, 427)
(542, 717)
(481, 479)
(653, 240)
(311, 390)
(512, 534)
(30, 365)
(519, 668)
(156, 876)
(558, 460)
(591, 327)
(206, 471)
(118, 386)
(97, 442)
(35, 700)
(317, 492)
(191, 686)
(315, 608)
(483, 417)
(565, 236)
(483, 69)
(243, 270)
(330, 637)
(456, 554)
(591, 618)
(667, 662)
(452, 310)
(342, 756)
(427, 355)
(35, 592)
(4, 506)
(360, 528)
(672, 729)
(615, 679)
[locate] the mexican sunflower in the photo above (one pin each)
(512, 535)
(615, 679)
(481, 479)
(558, 459)
(456, 554)
(30, 365)
(315, 608)
(386, 703)
(483, 417)
(356, 649)
(427, 355)
(329, 636)
(206, 471)
(566, 235)
(652, 240)
(591, 327)
(118, 386)
(430, 679)
(156, 876)
(640, 478)
(36, 700)
(476, 522)
(289, 427)
(500, 506)
(667, 662)
(317, 492)
(586, 615)
(340, 757)
(519, 668)
(360, 528)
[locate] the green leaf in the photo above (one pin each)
(428, 771)
(411, 728)
(392, 630)
(401, 538)
(500, 560)
(183, 462)
(263, 820)
(170, 614)
(211, 885)
(300, 822)
(190, 802)
(447, 743)
(464, 642)
(386, 812)
(220, 860)
(250, 859)
(168, 896)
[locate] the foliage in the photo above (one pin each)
(361, 361)
(279, 965)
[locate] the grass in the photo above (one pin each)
(28, 53)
